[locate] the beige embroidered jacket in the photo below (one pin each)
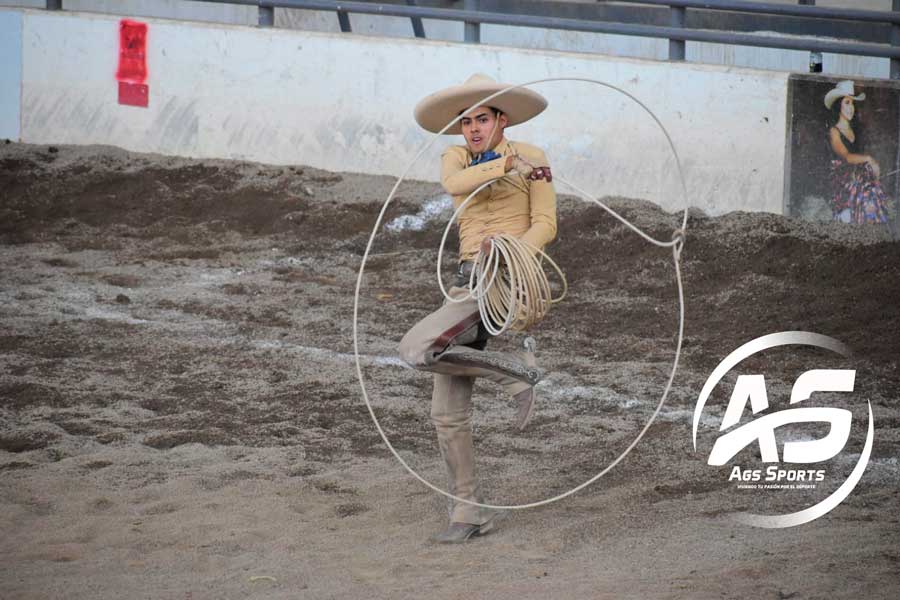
(512, 205)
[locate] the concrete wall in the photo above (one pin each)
(10, 73)
(345, 102)
(614, 45)
(571, 41)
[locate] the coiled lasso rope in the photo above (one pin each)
(518, 291)
(676, 244)
(509, 283)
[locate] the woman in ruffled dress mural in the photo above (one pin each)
(857, 195)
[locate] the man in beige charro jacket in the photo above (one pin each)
(450, 341)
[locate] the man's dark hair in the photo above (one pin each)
(497, 112)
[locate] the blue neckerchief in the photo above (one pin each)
(485, 157)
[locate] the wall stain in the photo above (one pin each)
(177, 126)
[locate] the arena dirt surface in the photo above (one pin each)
(180, 415)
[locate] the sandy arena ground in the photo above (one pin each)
(180, 415)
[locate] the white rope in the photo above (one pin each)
(488, 286)
(520, 296)
(677, 244)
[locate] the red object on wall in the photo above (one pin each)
(134, 94)
(132, 71)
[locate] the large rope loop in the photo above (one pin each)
(676, 243)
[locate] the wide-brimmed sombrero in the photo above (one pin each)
(843, 88)
(436, 110)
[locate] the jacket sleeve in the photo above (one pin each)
(459, 179)
(543, 209)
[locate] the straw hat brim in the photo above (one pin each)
(435, 111)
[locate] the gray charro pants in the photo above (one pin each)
(437, 344)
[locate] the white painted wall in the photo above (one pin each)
(571, 41)
(345, 103)
(10, 73)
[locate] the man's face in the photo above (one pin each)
(477, 126)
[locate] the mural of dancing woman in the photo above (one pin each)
(856, 192)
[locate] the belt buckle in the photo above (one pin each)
(463, 273)
(465, 268)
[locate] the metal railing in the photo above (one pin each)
(870, 33)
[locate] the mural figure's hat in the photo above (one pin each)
(436, 110)
(843, 88)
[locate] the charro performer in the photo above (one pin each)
(450, 342)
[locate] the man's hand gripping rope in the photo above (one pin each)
(510, 284)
